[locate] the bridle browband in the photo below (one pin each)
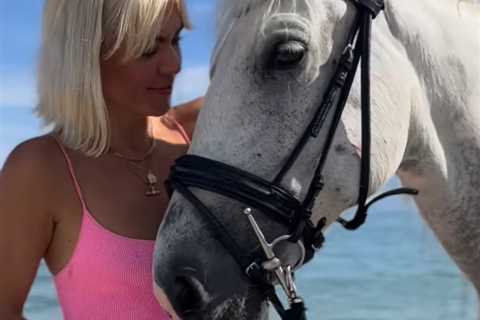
(191, 171)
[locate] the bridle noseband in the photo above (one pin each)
(191, 171)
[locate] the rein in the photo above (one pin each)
(191, 171)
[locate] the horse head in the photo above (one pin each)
(272, 68)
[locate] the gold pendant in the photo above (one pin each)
(152, 191)
(152, 185)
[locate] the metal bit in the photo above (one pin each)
(273, 264)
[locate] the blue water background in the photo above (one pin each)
(391, 269)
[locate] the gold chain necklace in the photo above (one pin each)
(150, 179)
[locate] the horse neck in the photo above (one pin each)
(443, 148)
(445, 120)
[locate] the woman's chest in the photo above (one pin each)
(128, 198)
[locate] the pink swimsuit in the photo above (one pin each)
(109, 276)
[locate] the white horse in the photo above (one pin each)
(273, 62)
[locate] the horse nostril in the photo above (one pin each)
(190, 296)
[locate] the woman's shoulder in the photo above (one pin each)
(186, 114)
(33, 160)
(27, 191)
(33, 151)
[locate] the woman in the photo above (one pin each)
(88, 197)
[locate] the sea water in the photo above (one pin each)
(390, 269)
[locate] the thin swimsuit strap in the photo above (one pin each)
(72, 172)
(179, 127)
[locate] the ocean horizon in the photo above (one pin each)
(393, 268)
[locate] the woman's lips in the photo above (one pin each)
(162, 91)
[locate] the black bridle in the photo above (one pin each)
(191, 171)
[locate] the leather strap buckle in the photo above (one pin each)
(374, 6)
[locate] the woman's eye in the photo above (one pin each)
(150, 53)
(288, 54)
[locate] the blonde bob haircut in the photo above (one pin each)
(69, 81)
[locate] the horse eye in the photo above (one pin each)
(288, 54)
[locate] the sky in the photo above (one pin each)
(20, 32)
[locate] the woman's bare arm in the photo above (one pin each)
(26, 226)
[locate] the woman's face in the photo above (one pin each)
(143, 86)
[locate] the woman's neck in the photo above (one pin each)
(131, 137)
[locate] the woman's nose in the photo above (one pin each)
(170, 62)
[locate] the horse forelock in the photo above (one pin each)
(230, 11)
